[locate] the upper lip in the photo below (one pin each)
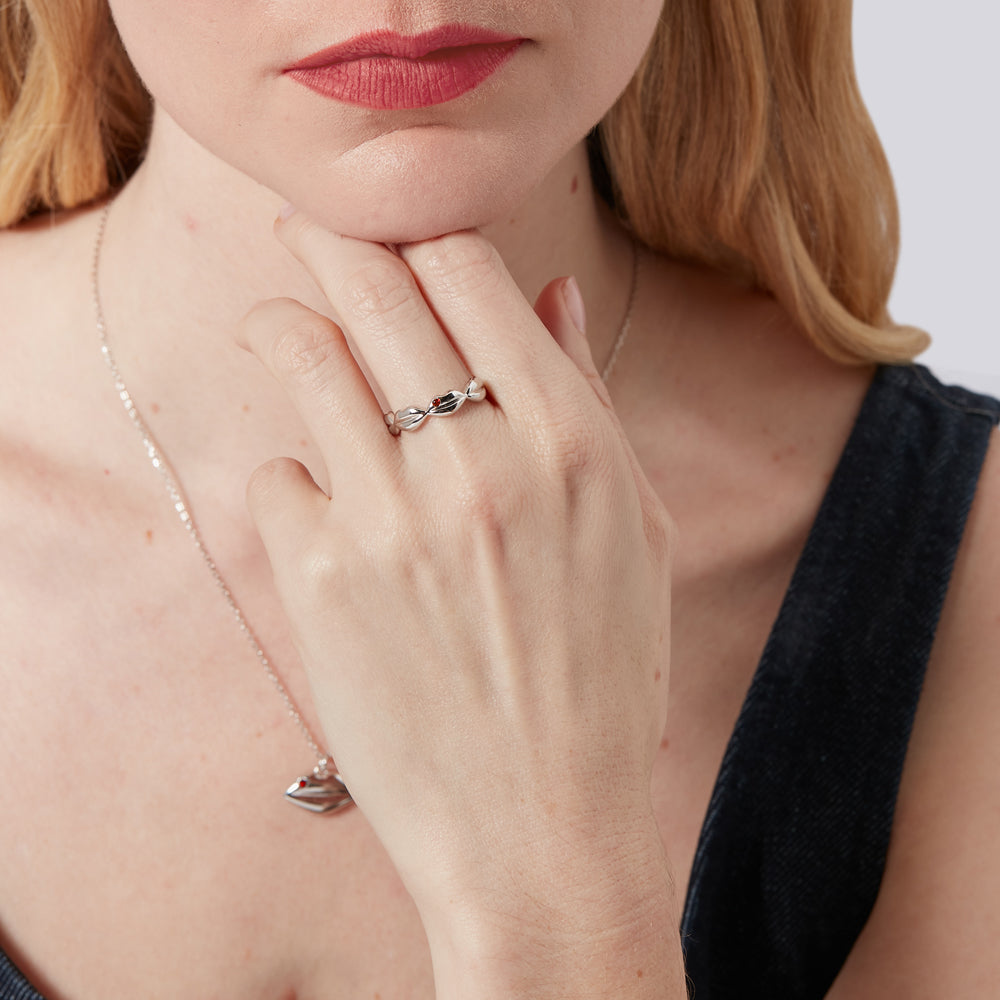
(393, 44)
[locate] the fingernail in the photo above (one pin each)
(574, 303)
(287, 211)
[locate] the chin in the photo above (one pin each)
(419, 187)
(399, 220)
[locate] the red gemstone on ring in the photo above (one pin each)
(303, 782)
(436, 402)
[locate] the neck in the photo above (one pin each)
(190, 249)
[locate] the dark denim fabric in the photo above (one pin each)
(793, 846)
(794, 842)
(13, 986)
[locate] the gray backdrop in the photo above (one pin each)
(931, 77)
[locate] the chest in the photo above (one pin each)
(150, 842)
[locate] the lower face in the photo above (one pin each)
(423, 119)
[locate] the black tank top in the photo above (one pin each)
(794, 842)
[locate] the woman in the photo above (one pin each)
(480, 618)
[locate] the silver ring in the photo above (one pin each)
(441, 406)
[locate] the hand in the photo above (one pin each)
(482, 606)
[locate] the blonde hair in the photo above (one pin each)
(74, 116)
(742, 143)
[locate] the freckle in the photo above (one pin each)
(658, 674)
(107, 472)
(155, 407)
(638, 973)
(246, 407)
(149, 536)
(664, 743)
(191, 224)
(575, 185)
(303, 443)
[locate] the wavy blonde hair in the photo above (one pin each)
(74, 116)
(741, 143)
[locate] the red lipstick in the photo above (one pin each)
(388, 71)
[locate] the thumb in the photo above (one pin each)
(560, 307)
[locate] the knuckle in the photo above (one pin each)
(321, 578)
(460, 263)
(317, 566)
(477, 496)
(575, 446)
(482, 493)
(480, 500)
(380, 292)
(399, 547)
(304, 348)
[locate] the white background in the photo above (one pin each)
(930, 75)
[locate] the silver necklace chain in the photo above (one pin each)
(623, 330)
(323, 791)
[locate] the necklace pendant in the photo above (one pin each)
(320, 792)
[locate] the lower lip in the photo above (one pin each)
(394, 83)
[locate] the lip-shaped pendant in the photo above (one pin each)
(319, 794)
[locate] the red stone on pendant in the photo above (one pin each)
(436, 402)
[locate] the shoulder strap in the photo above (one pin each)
(793, 846)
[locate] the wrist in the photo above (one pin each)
(600, 923)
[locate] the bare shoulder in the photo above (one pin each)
(31, 251)
(47, 343)
(934, 929)
(44, 302)
(44, 263)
